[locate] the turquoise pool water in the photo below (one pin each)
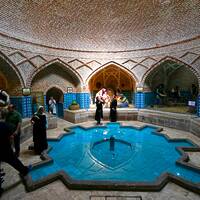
(138, 155)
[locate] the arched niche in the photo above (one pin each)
(171, 75)
(113, 78)
(9, 79)
(55, 74)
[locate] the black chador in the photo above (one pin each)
(39, 132)
(99, 111)
(113, 110)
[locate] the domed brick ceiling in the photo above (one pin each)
(100, 25)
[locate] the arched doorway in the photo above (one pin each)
(57, 94)
(114, 79)
(174, 87)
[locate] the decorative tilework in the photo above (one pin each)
(23, 105)
(142, 46)
(68, 98)
(27, 106)
(83, 100)
(139, 100)
(17, 101)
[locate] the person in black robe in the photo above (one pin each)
(99, 110)
(39, 122)
(113, 109)
(194, 92)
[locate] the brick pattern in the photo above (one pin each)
(82, 69)
(97, 25)
(45, 81)
(137, 43)
(29, 67)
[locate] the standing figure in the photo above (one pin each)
(14, 119)
(99, 110)
(177, 94)
(102, 95)
(6, 152)
(52, 106)
(39, 122)
(194, 92)
(113, 109)
(160, 95)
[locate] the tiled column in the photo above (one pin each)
(17, 101)
(139, 100)
(45, 103)
(23, 105)
(26, 106)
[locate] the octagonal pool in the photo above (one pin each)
(118, 154)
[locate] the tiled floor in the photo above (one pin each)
(14, 189)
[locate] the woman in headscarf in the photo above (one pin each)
(39, 122)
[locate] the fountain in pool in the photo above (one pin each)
(117, 157)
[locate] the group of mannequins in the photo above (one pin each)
(174, 94)
(103, 99)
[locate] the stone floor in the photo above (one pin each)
(14, 189)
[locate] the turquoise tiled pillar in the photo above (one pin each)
(17, 101)
(45, 103)
(139, 100)
(27, 106)
(83, 99)
(68, 98)
(23, 105)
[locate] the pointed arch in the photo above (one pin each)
(114, 64)
(56, 87)
(72, 72)
(169, 58)
(115, 78)
(9, 63)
